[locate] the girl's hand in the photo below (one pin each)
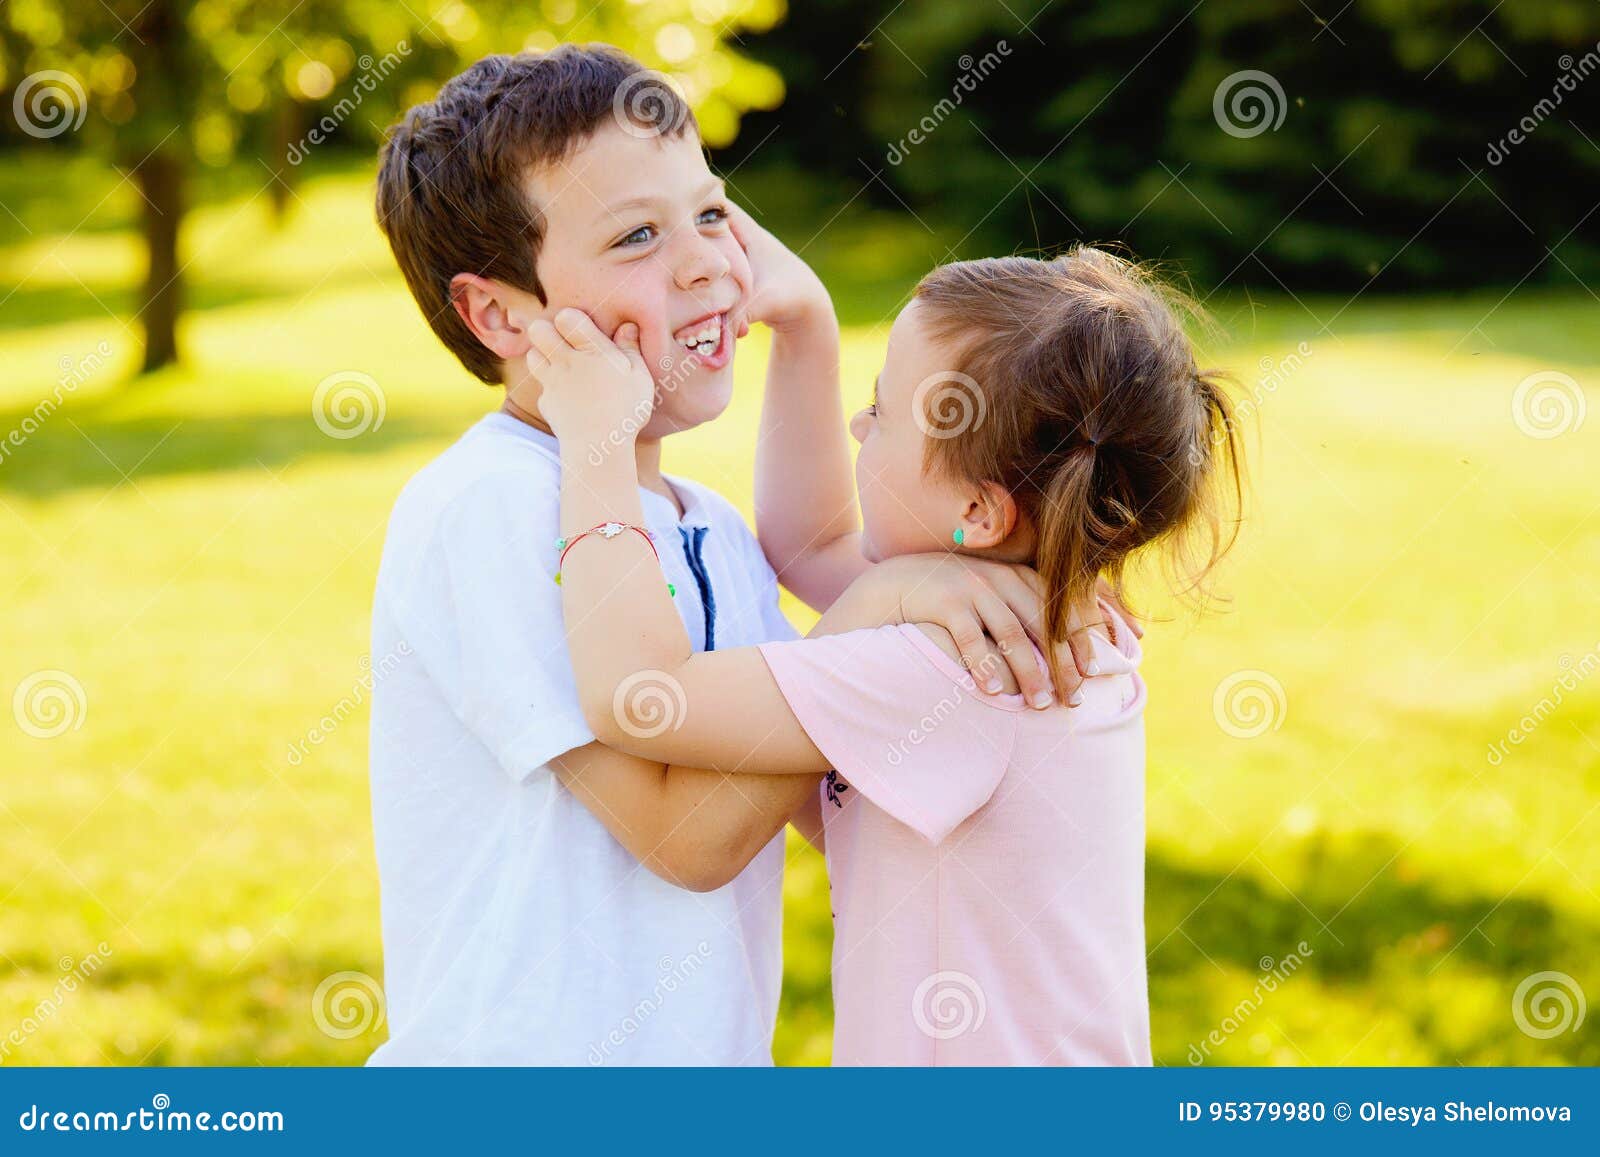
(593, 388)
(786, 294)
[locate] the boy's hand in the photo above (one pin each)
(592, 387)
(786, 294)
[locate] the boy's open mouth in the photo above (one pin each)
(708, 340)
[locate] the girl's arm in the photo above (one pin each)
(805, 497)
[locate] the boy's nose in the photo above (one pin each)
(699, 262)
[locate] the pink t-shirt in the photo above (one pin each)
(986, 860)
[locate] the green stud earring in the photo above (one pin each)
(959, 536)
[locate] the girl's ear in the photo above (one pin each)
(491, 310)
(990, 517)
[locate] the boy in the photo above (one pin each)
(519, 925)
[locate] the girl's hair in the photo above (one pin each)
(1090, 412)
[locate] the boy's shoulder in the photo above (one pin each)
(491, 469)
(491, 454)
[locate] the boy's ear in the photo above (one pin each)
(990, 517)
(494, 312)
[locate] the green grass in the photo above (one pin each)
(200, 558)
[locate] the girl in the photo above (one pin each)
(986, 859)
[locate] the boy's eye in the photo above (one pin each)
(638, 237)
(872, 410)
(713, 216)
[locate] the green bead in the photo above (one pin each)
(561, 544)
(958, 536)
(672, 590)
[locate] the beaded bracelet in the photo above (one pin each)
(608, 530)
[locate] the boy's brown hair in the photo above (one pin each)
(451, 177)
(1093, 415)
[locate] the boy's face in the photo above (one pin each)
(635, 229)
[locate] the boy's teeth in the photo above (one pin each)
(705, 339)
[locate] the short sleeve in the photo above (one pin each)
(911, 734)
(482, 607)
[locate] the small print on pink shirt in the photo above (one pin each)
(986, 860)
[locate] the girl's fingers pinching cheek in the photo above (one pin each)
(543, 340)
(575, 326)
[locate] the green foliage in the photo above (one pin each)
(233, 67)
(1097, 121)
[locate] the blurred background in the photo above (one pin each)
(1374, 779)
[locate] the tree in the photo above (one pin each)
(161, 86)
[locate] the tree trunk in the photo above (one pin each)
(282, 162)
(161, 181)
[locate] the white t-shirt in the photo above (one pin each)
(516, 930)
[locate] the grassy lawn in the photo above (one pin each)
(1418, 574)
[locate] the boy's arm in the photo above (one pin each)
(805, 499)
(696, 829)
